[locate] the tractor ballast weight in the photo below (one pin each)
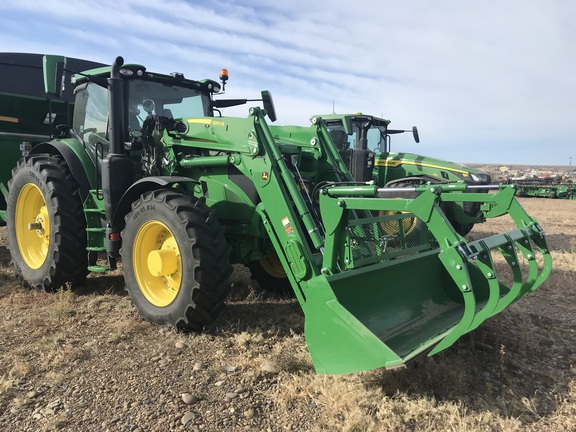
(197, 192)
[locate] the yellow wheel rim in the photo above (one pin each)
(157, 263)
(272, 265)
(32, 223)
(392, 227)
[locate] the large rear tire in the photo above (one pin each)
(175, 260)
(46, 225)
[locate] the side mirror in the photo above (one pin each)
(148, 106)
(415, 133)
(53, 68)
(268, 105)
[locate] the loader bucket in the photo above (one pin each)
(384, 298)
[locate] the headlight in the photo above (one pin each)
(126, 72)
(480, 178)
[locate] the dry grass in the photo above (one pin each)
(516, 372)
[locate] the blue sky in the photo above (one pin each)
(491, 81)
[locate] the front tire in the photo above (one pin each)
(410, 225)
(175, 260)
(449, 208)
(46, 226)
(270, 275)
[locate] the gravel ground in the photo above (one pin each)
(85, 361)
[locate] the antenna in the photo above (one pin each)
(334, 112)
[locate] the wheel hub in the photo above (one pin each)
(40, 225)
(162, 262)
(157, 263)
(272, 265)
(32, 223)
(396, 227)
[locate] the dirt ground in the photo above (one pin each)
(84, 360)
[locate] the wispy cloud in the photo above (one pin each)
(489, 81)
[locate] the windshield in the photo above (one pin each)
(147, 97)
(376, 136)
(91, 110)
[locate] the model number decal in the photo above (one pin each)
(143, 209)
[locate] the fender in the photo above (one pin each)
(80, 164)
(140, 187)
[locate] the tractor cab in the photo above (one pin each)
(145, 95)
(359, 138)
(363, 131)
(148, 99)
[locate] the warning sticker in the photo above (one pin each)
(25, 148)
(287, 226)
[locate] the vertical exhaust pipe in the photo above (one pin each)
(117, 165)
(362, 159)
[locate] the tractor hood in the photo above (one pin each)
(442, 169)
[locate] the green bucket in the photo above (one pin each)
(386, 314)
(382, 315)
(397, 281)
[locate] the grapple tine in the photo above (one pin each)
(525, 248)
(486, 267)
(509, 254)
(458, 269)
(533, 234)
(542, 246)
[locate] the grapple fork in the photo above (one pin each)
(388, 295)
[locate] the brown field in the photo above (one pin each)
(84, 360)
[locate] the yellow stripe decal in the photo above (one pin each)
(9, 119)
(200, 120)
(394, 163)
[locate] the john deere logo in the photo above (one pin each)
(265, 176)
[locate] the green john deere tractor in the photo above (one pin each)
(153, 174)
(364, 143)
